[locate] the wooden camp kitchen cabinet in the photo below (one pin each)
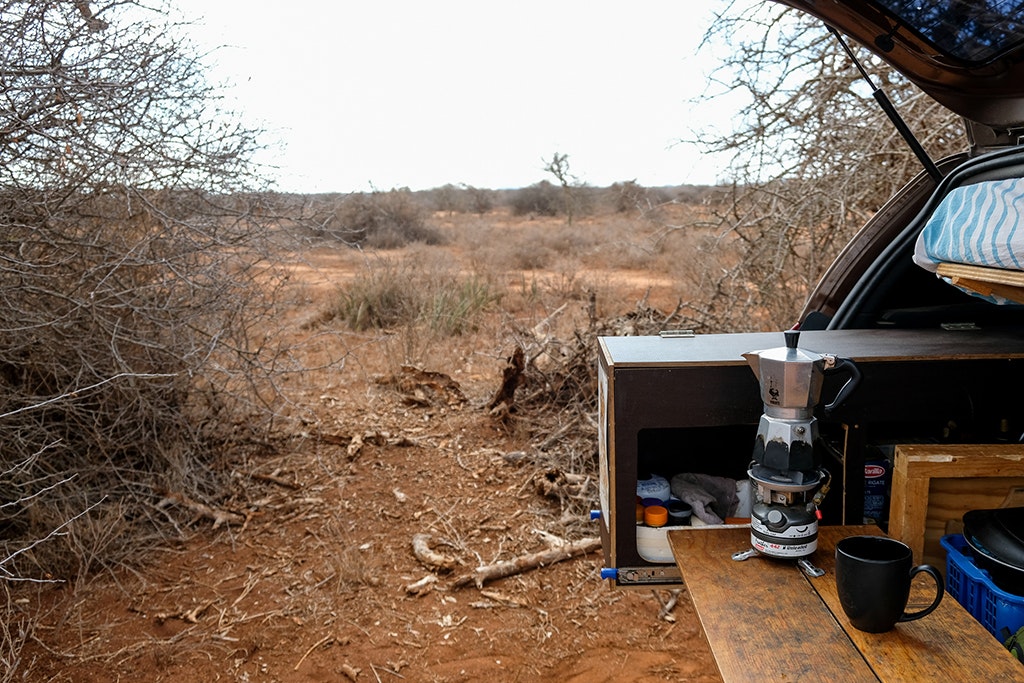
(691, 404)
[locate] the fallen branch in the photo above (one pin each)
(426, 555)
(523, 563)
(422, 586)
(274, 479)
(667, 606)
(202, 510)
(511, 378)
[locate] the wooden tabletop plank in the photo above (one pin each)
(765, 620)
(948, 644)
(761, 619)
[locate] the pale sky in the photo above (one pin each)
(405, 93)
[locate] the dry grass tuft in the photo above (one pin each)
(401, 294)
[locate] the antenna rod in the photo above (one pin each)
(894, 116)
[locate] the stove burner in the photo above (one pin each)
(789, 480)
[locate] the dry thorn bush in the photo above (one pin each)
(132, 341)
(137, 354)
(382, 220)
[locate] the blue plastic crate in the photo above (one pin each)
(993, 607)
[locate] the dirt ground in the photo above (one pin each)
(320, 583)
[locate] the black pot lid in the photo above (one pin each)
(998, 533)
(1005, 576)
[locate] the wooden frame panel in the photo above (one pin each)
(933, 484)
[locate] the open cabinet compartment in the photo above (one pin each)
(692, 404)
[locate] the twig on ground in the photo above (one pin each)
(273, 479)
(665, 613)
(422, 586)
(219, 517)
(326, 640)
(524, 563)
(423, 552)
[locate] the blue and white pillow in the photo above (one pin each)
(980, 225)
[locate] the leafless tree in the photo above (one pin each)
(558, 166)
(132, 345)
(812, 158)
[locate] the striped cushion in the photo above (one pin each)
(977, 225)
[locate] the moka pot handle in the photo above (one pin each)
(843, 365)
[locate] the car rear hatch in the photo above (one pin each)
(966, 54)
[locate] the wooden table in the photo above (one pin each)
(765, 620)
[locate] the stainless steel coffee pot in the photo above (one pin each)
(791, 379)
(787, 482)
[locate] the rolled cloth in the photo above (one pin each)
(712, 498)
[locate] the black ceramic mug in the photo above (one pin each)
(873, 575)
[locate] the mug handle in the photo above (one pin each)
(939, 591)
